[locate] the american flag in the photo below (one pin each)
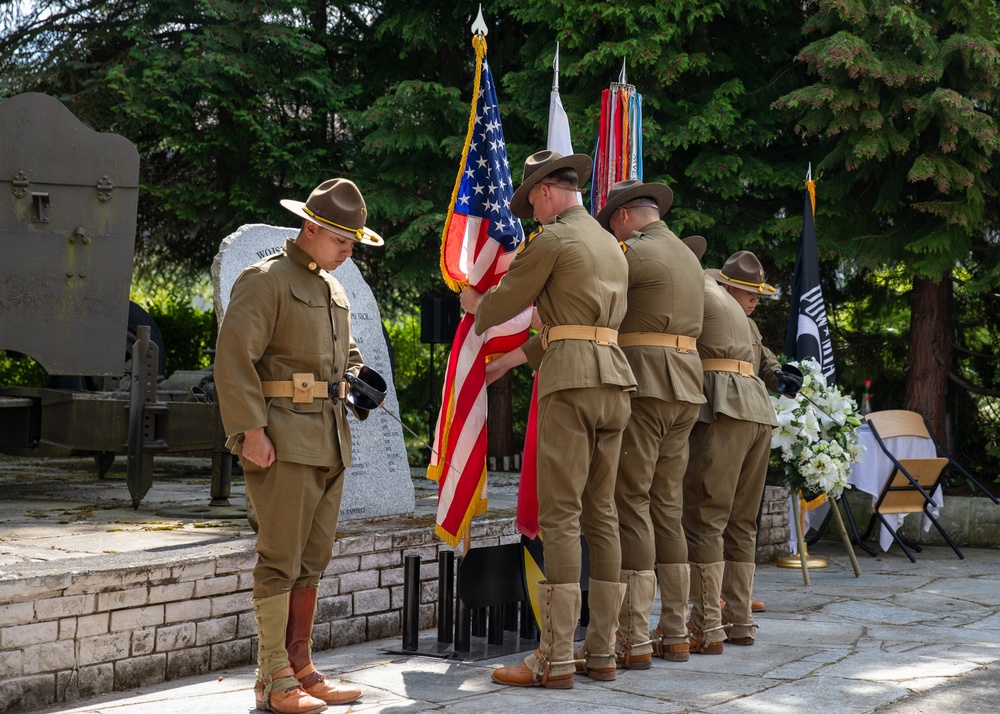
(480, 239)
(481, 236)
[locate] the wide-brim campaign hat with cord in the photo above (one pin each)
(697, 244)
(538, 166)
(742, 270)
(629, 189)
(338, 206)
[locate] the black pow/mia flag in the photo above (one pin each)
(808, 333)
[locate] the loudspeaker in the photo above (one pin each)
(438, 319)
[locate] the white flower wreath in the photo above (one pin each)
(816, 446)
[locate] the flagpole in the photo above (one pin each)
(460, 435)
(555, 69)
(479, 24)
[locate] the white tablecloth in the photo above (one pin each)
(870, 475)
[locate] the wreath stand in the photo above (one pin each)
(803, 559)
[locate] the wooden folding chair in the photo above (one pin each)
(908, 487)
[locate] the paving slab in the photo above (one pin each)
(904, 637)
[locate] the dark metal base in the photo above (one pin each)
(480, 648)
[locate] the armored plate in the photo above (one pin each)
(68, 200)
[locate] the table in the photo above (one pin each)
(870, 476)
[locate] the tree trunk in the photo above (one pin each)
(929, 360)
(499, 421)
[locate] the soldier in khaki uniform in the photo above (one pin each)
(767, 368)
(283, 349)
(577, 278)
(729, 445)
(659, 335)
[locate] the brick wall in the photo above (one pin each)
(772, 537)
(74, 635)
(68, 636)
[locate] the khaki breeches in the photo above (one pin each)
(723, 487)
(297, 507)
(649, 491)
(579, 437)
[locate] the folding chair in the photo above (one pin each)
(908, 486)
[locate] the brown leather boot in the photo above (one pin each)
(706, 631)
(523, 675)
(298, 642)
(670, 637)
(633, 645)
(698, 643)
(281, 693)
(677, 652)
(598, 652)
(737, 584)
(552, 664)
(755, 605)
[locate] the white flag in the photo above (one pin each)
(559, 130)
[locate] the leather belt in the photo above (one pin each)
(303, 389)
(600, 335)
(744, 369)
(681, 343)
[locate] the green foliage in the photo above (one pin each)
(418, 398)
(898, 109)
(181, 311)
(235, 105)
(187, 334)
(19, 371)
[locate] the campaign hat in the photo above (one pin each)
(338, 206)
(624, 191)
(538, 166)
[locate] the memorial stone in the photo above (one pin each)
(378, 482)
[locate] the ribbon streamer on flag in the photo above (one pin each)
(480, 239)
(618, 155)
(808, 333)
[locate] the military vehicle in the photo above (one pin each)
(68, 206)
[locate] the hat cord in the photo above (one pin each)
(759, 286)
(358, 232)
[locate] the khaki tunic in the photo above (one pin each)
(575, 274)
(765, 363)
(731, 443)
(286, 317)
(665, 295)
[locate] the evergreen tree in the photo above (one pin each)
(900, 110)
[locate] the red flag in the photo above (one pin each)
(481, 238)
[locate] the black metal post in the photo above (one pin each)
(510, 616)
(479, 622)
(411, 602)
(495, 625)
(463, 619)
(528, 630)
(446, 595)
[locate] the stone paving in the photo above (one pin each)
(903, 637)
(882, 642)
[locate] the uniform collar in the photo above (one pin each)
(300, 257)
(572, 210)
(644, 231)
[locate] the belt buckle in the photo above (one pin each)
(337, 390)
